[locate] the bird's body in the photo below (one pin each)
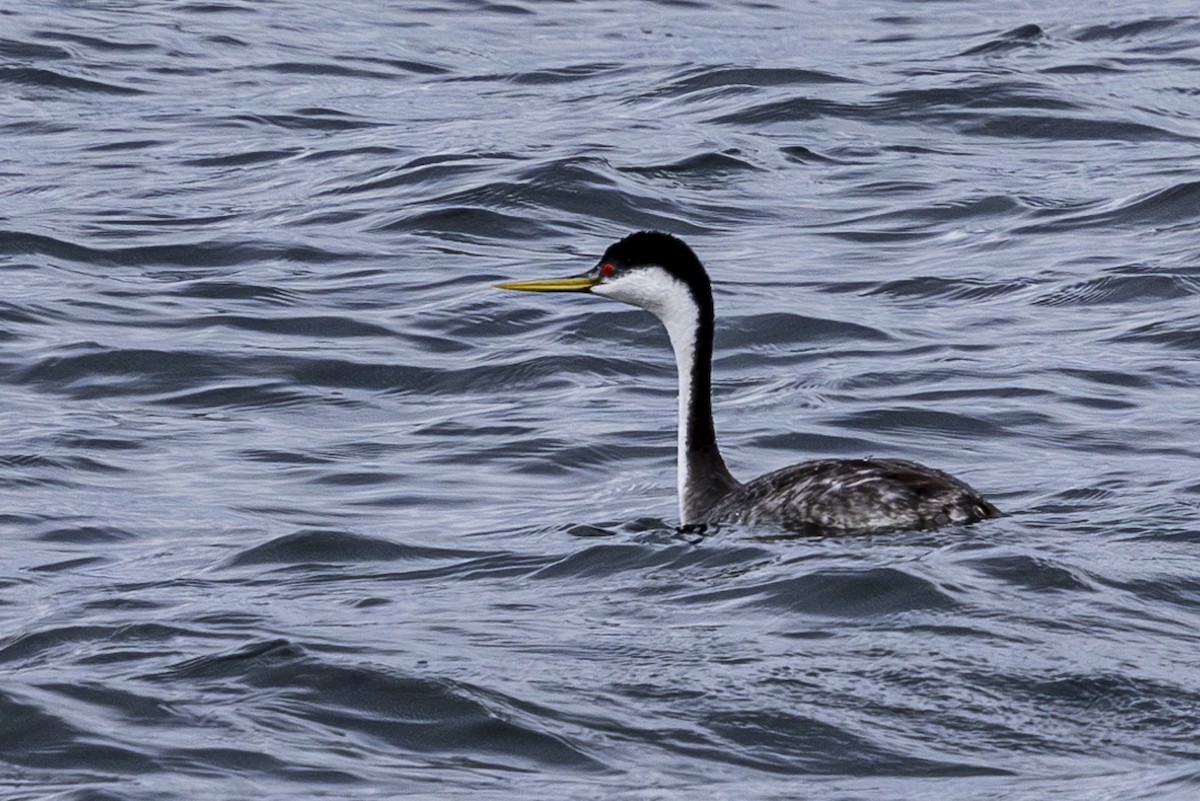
(852, 495)
(662, 275)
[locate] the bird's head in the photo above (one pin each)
(652, 270)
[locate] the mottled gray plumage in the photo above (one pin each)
(858, 496)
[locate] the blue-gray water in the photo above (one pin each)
(295, 505)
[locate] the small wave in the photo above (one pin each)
(225, 289)
(322, 327)
(1141, 700)
(91, 369)
(28, 470)
(1031, 573)
(987, 110)
(35, 738)
(101, 43)
(86, 534)
(384, 711)
(306, 120)
(608, 560)
(198, 255)
(571, 74)
(917, 420)
(795, 109)
(436, 169)
(1064, 128)
(55, 642)
(1180, 334)
(319, 69)
(68, 565)
(1174, 205)
(32, 51)
(747, 78)
(935, 287)
(872, 592)
(786, 742)
(1007, 95)
(711, 166)
(798, 154)
(1120, 289)
(1182, 592)
(1118, 31)
(245, 158)
(1015, 39)
(470, 222)
(408, 65)
(42, 78)
(745, 332)
(531, 203)
(326, 546)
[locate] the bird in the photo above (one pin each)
(660, 273)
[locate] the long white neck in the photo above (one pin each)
(683, 334)
(702, 476)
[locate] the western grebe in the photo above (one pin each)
(662, 275)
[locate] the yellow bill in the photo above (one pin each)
(577, 283)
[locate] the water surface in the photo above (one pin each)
(296, 505)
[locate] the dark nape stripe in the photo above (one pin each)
(709, 478)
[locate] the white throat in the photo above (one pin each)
(670, 300)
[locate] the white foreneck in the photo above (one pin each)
(683, 342)
(670, 300)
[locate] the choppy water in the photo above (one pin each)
(295, 505)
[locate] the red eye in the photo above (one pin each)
(607, 269)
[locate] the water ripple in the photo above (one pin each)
(296, 505)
